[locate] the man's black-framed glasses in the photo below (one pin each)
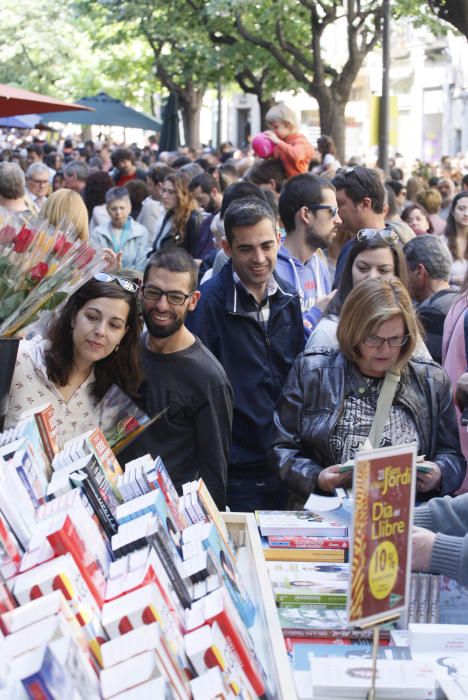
(174, 297)
(127, 285)
(314, 207)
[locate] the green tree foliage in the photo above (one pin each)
(47, 48)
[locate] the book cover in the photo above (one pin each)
(226, 567)
(299, 542)
(82, 479)
(380, 555)
(213, 515)
(46, 423)
(304, 523)
(294, 554)
(350, 678)
(105, 458)
(300, 651)
(309, 583)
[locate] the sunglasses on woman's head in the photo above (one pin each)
(127, 285)
(385, 234)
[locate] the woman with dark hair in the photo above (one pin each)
(94, 195)
(417, 217)
(456, 234)
(91, 344)
(327, 149)
(328, 406)
(181, 222)
(374, 254)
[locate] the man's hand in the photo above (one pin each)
(322, 302)
(330, 477)
(272, 136)
(428, 481)
(423, 541)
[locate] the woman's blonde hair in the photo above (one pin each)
(185, 204)
(281, 113)
(65, 207)
(370, 304)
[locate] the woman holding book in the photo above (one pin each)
(90, 345)
(329, 403)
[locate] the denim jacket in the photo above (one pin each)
(313, 399)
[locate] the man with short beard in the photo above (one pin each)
(193, 436)
(308, 210)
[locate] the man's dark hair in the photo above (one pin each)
(239, 190)
(175, 260)
(263, 171)
(117, 193)
(206, 183)
(248, 211)
(395, 186)
(396, 174)
(464, 181)
(300, 191)
(180, 161)
(36, 148)
(359, 182)
(430, 251)
(158, 173)
(121, 154)
(391, 201)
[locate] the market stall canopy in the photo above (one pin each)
(15, 101)
(25, 121)
(107, 112)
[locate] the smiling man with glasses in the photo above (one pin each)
(309, 212)
(181, 375)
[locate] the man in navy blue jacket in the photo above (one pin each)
(251, 321)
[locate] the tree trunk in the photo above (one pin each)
(190, 107)
(265, 105)
(332, 119)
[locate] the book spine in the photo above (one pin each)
(176, 579)
(102, 485)
(98, 505)
(308, 542)
(434, 595)
(326, 633)
(297, 600)
(424, 581)
(305, 555)
(413, 601)
(44, 424)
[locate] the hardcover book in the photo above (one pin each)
(302, 522)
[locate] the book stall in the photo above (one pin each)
(114, 586)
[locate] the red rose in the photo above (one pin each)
(23, 239)
(131, 424)
(38, 272)
(85, 257)
(7, 234)
(62, 246)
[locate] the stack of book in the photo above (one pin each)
(302, 536)
(113, 586)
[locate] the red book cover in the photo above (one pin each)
(67, 540)
(217, 609)
(298, 542)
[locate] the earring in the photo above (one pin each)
(116, 349)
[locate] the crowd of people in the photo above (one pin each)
(281, 313)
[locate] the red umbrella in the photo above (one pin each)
(14, 101)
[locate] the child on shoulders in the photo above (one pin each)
(291, 147)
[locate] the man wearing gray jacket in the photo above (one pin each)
(440, 540)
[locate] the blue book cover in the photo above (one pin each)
(227, 569)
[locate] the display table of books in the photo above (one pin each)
(114, 586)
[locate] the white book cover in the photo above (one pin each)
(351, 678)
(301, 522)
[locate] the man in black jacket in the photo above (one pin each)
(252, 323)
(183, 378)
(428, 261)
